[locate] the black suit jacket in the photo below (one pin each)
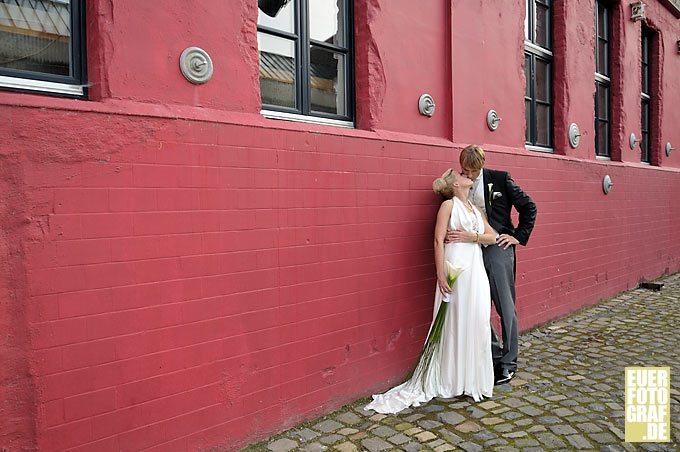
(501, 193)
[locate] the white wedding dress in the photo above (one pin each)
(464, 364)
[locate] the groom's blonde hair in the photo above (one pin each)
(472, 157)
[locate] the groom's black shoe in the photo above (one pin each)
(504, 376)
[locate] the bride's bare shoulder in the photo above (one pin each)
(447, 203)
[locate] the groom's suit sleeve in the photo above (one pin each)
(526, 208)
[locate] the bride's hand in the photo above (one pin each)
(443, 284)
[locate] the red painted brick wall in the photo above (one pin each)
(180, 273)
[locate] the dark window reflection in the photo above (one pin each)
(326, 74)
(36, 36)
(277, 71)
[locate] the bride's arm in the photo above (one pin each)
(490, 234)
(443, 217)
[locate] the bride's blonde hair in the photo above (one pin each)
(444, 184)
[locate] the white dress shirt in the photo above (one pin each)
(477, 193)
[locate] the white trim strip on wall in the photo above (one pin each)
(308, 119)
(39, 85)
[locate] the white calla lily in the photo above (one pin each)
(453, 272)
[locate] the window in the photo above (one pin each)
(602, 80)
(645, 94)
(42, 45)
(306, 60)
(538, 58)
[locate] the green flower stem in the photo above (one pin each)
(434, 339)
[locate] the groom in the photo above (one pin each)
(495, 193)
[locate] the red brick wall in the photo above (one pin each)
(179, 272)
(218, 288)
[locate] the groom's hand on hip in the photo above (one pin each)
(506, 240)
(456, 236)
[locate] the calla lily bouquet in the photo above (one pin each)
(434, 338)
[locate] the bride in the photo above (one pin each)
(462, 363)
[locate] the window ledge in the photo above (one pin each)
(40, 86)
(536, 49)
(530, 147)
(271, 114)
(602, 78)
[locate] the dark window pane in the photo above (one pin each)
(327, 80)
(542, 26)
(645, 61)
(277, 14)
(527, 119)
(645, 115)
(602, 101)
(528, 35)
(36, 36)
(277, 70)
(603, 57)
(602, 21)
(527, 75)
(644, 140)
(543, 125)
(326, 21)
(542, 80)
(602, 139)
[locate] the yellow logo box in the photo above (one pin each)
(648, 404)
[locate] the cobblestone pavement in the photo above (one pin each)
(567, 395)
